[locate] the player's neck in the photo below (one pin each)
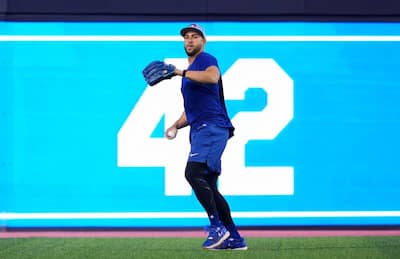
(192, 58)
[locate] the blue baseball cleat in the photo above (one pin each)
(233, 244)
(216, 236)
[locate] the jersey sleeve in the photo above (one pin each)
(206, 61)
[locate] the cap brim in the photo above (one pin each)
(185, 30)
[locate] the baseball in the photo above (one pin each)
(171, 134)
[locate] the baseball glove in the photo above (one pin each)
(158, 71)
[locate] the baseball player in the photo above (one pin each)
(210, 129)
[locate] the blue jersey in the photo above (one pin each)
(204, 103)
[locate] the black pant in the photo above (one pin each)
(204, 185)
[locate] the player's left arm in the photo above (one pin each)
(209, 76)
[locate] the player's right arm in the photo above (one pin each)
(182, 122)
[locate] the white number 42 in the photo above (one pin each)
(136, 147)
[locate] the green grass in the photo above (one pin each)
(265, 248)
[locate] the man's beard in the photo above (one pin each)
(194, 51)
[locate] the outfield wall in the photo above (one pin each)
(202, 9)
(315, 106)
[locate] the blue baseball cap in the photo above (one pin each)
(194, 27)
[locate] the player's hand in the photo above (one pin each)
(171, 133)
(158, 71)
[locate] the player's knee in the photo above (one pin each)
(195, 170)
